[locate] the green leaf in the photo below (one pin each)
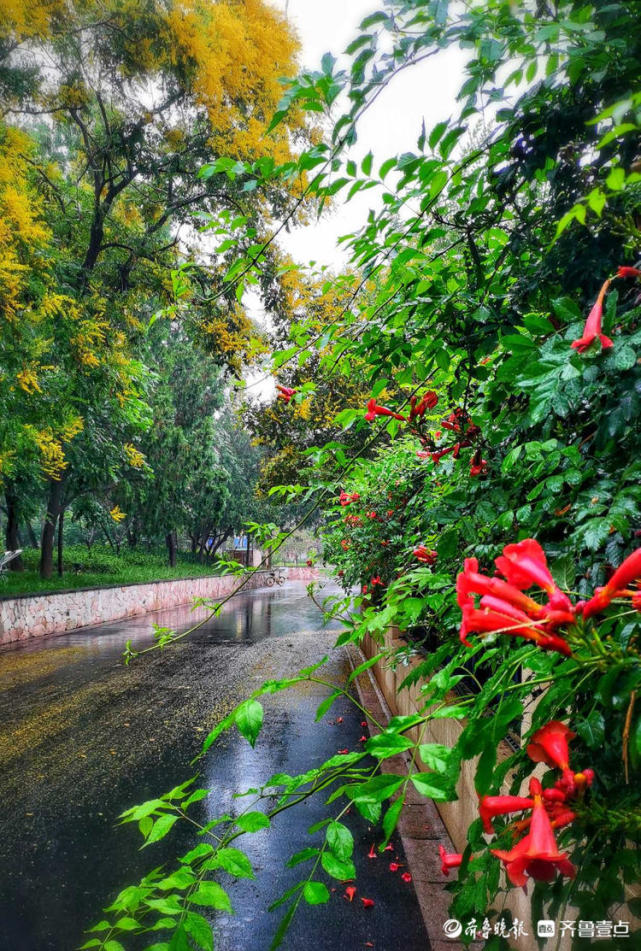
(199, 930)
(591, 729)
(456, 712)
(624, 357)
(616, 179)
(337, 868)
(253, 821)
(303, 856)
(427, 784)
(436, 134)
(436, 756)
(160, 828)
(234, 862)
(249, 720)
(362, 668)
(384, 745)
(377, 789)
(283, 927)
(391, 817)
(200, 851)
(211, 895)
(326, 704)
(315, 893)
(447, 545)
(179, 940)
(215, 733)
(340, 840)
(181, 878)
(171, 905)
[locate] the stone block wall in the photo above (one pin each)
(39, 615)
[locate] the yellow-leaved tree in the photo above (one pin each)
(111, 110)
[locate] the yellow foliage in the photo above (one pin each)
(134, 457)
(71, 428)
(22, 231)
(6, 463)
(92, 333)
(25, 18)
(28, 380)
(53, 457)
(237, 51)
(117, 514)
(304, 409)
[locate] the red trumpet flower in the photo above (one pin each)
(285, 392)
(477, 466)
(471, 582)
(438, 455)
(350, 891)
(346, 498)
(449, 860)
(625, 574)
(491, 806)
(625, 271)
(524, 564)
(537, 855)
(374, 410)
(429, 401)
(550, 745)
(495, 615)
(426, 555)
(592, 328)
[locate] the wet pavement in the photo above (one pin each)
(84, 738)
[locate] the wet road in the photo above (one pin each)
(82, 738)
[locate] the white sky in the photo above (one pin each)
(391, 126)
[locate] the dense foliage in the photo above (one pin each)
(482, 261)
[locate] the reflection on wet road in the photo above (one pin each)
(83, 738)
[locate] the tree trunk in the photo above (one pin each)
(109, 538)
(54, 504)
(170, 538)
(61, 541)
(219, 540)
(12, 533)
(33, 541)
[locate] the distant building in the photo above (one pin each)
(243, 551)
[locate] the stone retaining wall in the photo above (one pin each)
(36, 616)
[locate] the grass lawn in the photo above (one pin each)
(97, 568)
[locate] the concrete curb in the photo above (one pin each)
(420, 827)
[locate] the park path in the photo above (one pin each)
(83, 738)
